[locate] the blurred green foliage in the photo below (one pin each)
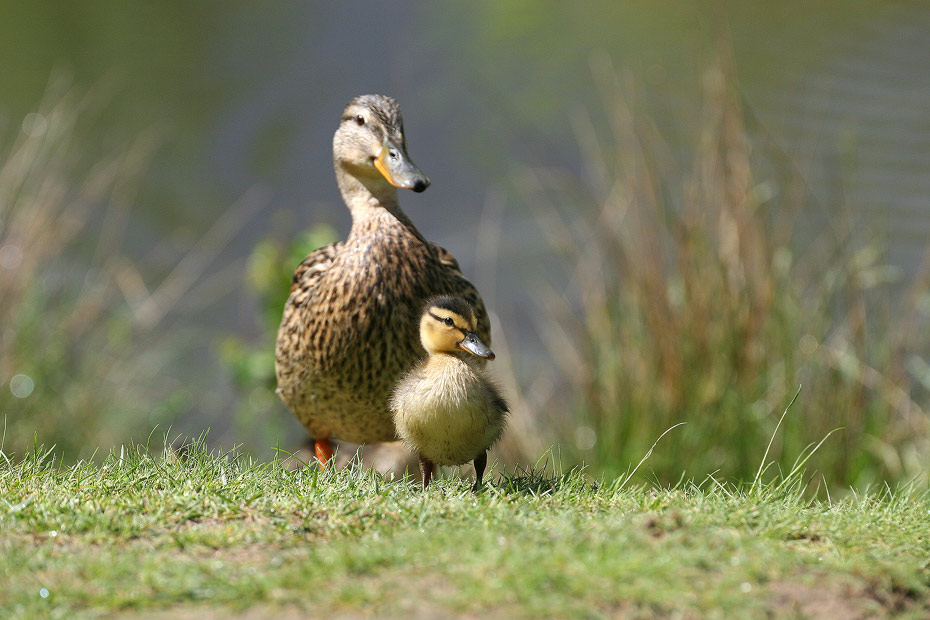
(704, 295)
(79, 367)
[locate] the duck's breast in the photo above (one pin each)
(443, 410)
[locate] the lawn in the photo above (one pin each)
(205, 535)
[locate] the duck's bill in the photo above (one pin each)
(394, 164)
(472, 343)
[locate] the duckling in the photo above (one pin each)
(349, 327)
(446, 409)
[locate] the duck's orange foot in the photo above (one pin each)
(323, 450)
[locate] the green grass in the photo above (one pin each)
(220, 536)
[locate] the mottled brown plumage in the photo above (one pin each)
(350, 326)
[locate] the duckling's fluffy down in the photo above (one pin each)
(447, 410)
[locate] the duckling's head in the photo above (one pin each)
(448, 325)
(370, 146)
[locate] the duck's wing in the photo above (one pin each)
(499, 402)
(298, 314)
(465, 289)
(314, 267)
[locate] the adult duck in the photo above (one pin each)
(350, 324)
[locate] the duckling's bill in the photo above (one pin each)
(472, 343)
(395, 165)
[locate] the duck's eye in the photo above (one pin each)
(360, 120)
(448, 321)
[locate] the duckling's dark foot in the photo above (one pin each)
(426, 470)
(481, 461)
(323, 450)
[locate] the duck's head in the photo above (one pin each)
(370, 144)
(448, 325)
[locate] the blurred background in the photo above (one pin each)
(675, 212)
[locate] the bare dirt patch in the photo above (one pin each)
(827, 601)
(291, 612)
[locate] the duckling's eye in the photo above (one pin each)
(360, 120)
(448, 321)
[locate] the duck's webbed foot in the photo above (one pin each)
(481, 461)
(426, 470)
(323, 450)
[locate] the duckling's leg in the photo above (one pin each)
(426, 470)
(481, 461)
(323, 450)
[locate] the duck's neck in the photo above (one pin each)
(371, 199)
(452, 359)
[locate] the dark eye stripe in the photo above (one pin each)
(446, 321)
(438, 318)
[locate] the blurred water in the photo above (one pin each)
(247, 95)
